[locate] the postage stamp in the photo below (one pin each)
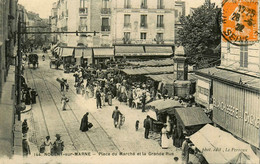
(240, 20)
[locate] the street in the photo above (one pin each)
(103, 139)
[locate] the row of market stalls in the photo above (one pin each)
(214, 144)
(100, 55)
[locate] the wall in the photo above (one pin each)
(237, 110)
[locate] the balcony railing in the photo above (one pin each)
(160, 25)
(83, 11)
(105, 11)
(160, 6)
(143, 25)
(105, 28)
(127, 6)
(127, 25)
(143, 6)
(143, 41)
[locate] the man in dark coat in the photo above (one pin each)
(27, 97)
(98, 99)
(115, 115)
(62, 84)
(146, 126)
(143, 102)
(33, 96)
(84, 123)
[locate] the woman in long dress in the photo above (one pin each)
(164, 139)
(63, 102)
(109, 97)
(48, 145)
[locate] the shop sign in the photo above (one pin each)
(232, 111)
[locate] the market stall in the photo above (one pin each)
(220, 147)
(191, 119)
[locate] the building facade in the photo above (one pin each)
(117, 23)
(232, 90)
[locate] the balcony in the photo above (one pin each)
(143, 6)
(105, 11)
(160, 25)
(105, 28)
(143, 25)
(83, 11)
(160, 6)
(83, 28)
(127, 25)
(127, 6)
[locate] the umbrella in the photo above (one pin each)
(164, 104)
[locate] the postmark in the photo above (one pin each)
(240, 21)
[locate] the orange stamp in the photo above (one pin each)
(240, 20)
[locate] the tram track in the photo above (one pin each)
(42, 76)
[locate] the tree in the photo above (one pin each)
(200, 34)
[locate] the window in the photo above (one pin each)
(243, 56)
(160, 4)
(144, 21)
(127, 3)
(160, 21)
(105, 24)
(228, 47)
(126, 20)
(105, 4)
(83, 3)
(143, 36)
(126, 38)
(159, 36)
(83, 24)
(144, 4)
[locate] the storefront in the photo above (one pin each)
(102, 56)
(236, 102)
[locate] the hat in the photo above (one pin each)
(25, 119)
(57, 135)
(116, 107)
(87, 113)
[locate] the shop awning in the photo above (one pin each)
(227, 148)
(128, 50)
(190, 116)
(87, 53)
(103, 52)
(159, 50)
(78, 52)
(165, 62)
(67, 52)
(148, 70)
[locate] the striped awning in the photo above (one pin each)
(87, 53)
(103, 52)
(78, 52)
(160, 50)
(67, 52)
(128, 50)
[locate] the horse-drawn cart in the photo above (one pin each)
(33, 59)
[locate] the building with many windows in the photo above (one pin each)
(143, 28)
(147, 26)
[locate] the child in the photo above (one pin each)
(137, 125)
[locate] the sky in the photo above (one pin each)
(43, 7)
